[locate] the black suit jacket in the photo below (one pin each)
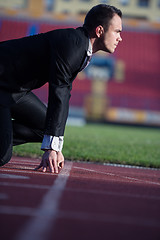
(28, 63)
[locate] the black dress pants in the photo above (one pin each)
(23, 122)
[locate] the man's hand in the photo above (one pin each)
(53, 160)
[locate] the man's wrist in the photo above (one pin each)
(52, 143)
(49, 150)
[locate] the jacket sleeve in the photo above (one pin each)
(59, 94)
(67, 56)
(57, 112)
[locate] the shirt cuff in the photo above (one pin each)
(52, 142)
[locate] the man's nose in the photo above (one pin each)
(120, 38)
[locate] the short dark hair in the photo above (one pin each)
(100, 15)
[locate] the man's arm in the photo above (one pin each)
(66, 60)
(57, 113)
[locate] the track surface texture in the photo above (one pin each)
(84, 201)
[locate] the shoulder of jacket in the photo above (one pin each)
(67, 33)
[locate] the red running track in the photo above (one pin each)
(84, 201)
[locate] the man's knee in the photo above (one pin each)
(5, 148)
(5, 155)
(5, 135)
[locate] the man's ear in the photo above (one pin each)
(99, 31)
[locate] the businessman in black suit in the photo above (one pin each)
(55, 57)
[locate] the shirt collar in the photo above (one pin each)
(89, 51)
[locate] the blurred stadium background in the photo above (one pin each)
(120, 88)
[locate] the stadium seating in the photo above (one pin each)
(141, 88)
(10, 29)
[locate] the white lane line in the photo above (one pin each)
(22, 211)
(89, 191)
(19, 167)
(24, 185)
(116, 175)
(95, 171)
(22, 163)
(116, 194)
(74, 215)
(24, 171)
(45, 216)
(22, 160)
(12, 176)
(130, 166)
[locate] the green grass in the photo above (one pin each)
(106, 144)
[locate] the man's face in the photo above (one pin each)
(111, 38)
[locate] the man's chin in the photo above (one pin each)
(110, 50)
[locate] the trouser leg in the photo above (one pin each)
(29, 115)
(5, 135)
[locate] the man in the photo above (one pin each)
(55, 57)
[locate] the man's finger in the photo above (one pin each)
(44, 169)
(61, 164)
(51, 166)
(55, 165)
(40, 165)
(44, 164)
(60, 160)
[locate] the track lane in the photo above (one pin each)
(96, 201)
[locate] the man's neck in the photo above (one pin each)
(95, 45)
